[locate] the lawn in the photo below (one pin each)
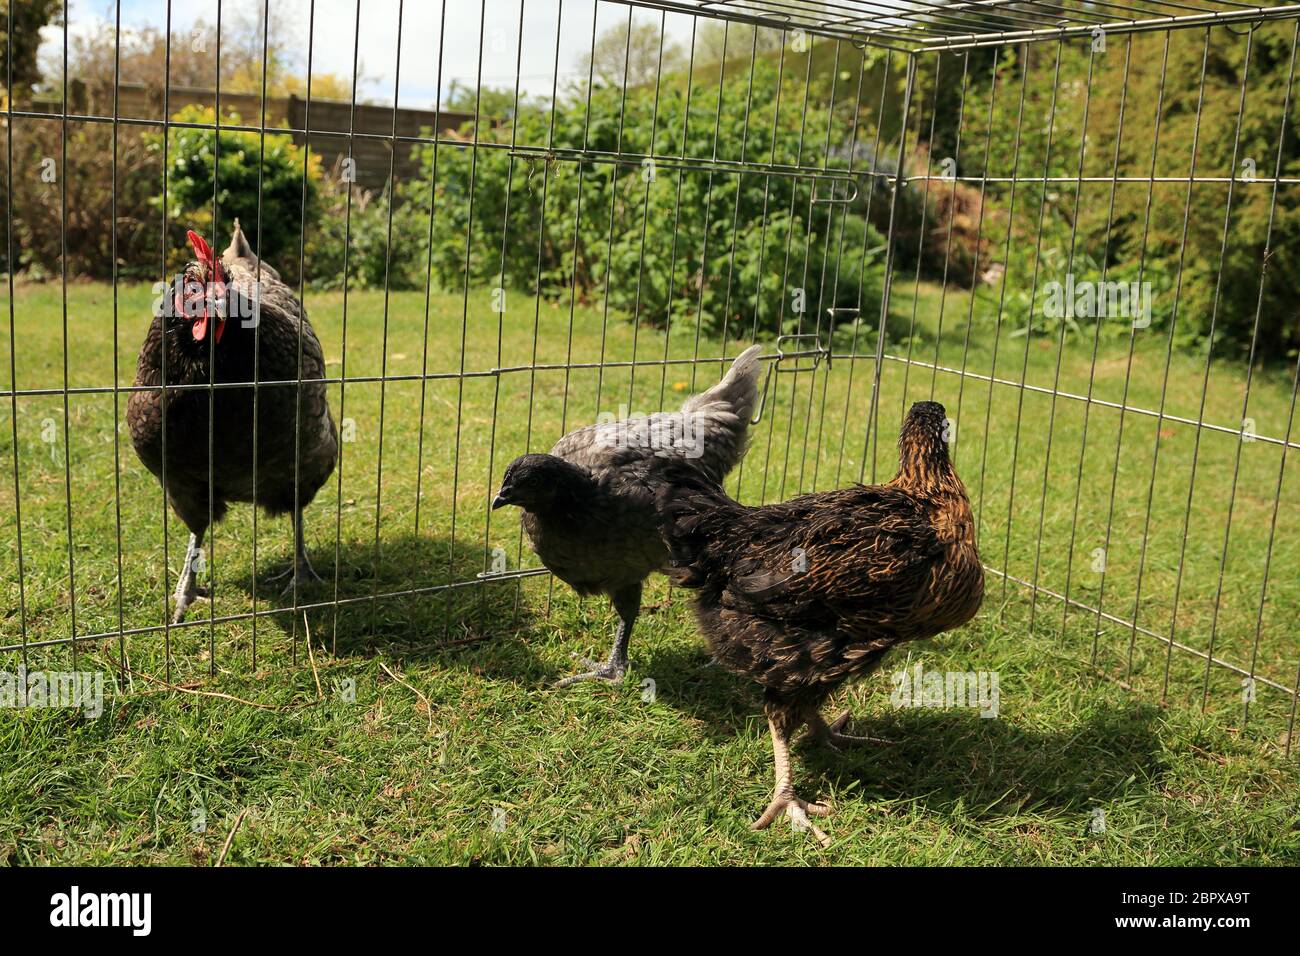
(396, 728)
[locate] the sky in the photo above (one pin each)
(545, 22)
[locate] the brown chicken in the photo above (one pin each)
(217, 319)
(805, 595)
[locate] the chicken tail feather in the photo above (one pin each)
(724, 411)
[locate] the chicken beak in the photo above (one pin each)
(501, 500)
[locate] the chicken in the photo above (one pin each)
(590, 513)
(805, 595)
(215, 319)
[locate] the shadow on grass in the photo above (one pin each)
(375, 614)
(943, 758)
(993, 767)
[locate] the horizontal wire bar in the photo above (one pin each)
(605, 157)
(1144, 180)
(640, 363)
(411, 377)
(1136, 409)
(1163, 639)
(539, 572)
(272, 612)
(1118, 27)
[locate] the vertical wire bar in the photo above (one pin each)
(383, 359)
(613, 208)
(1029, 327)
(1132, 341)
(1096, 338)
(162, 320)
(501, 284)
(708, 208)
(343, 349)
(257, 339)
(212, 354)
(677, 218)
(900, 181)
(464, 315)
(577, 225)
(762, 234)
(785, 268)
(1060, 345)
(921, 231)
(954, 444)
(302, 302)
(63, 280)
(645, 208)
(13, 370)
(1205, 380)
(821, 284)
(1268, 559)
(428, 269)
(835, 283)
(740, 188)
(952, 214)
(117, 412)
(866, 242)
(1290, 422)
(1002, 293)
(1250, 371)
(537, 286)
(762, 240)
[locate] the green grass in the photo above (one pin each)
(412, 770)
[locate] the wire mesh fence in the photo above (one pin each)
(1069, 222)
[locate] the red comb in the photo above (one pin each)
(204, 252)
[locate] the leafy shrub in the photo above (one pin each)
(238, 163)
(41, 230)
(1220, 286)
(364, 233)
(657, 242)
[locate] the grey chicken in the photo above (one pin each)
(216, 317)
(589, 507)
(805, 595)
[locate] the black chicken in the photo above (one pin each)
(589, 509)
(226, 300)
(804, 595)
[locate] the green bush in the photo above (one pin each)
(198, 159)
(659, 243)
(364, 233)
(1220, 285)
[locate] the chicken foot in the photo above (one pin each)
(186, 589)
(613, 669)
(783, 796)
(832, 734)
(301, 573)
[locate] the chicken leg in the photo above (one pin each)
(783, 796)
(627, 603)
(301, 573)
(186, 589)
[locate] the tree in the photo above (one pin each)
(738, 39)
(24, 19)
(618, 59)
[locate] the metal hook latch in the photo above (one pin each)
(816, 353)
